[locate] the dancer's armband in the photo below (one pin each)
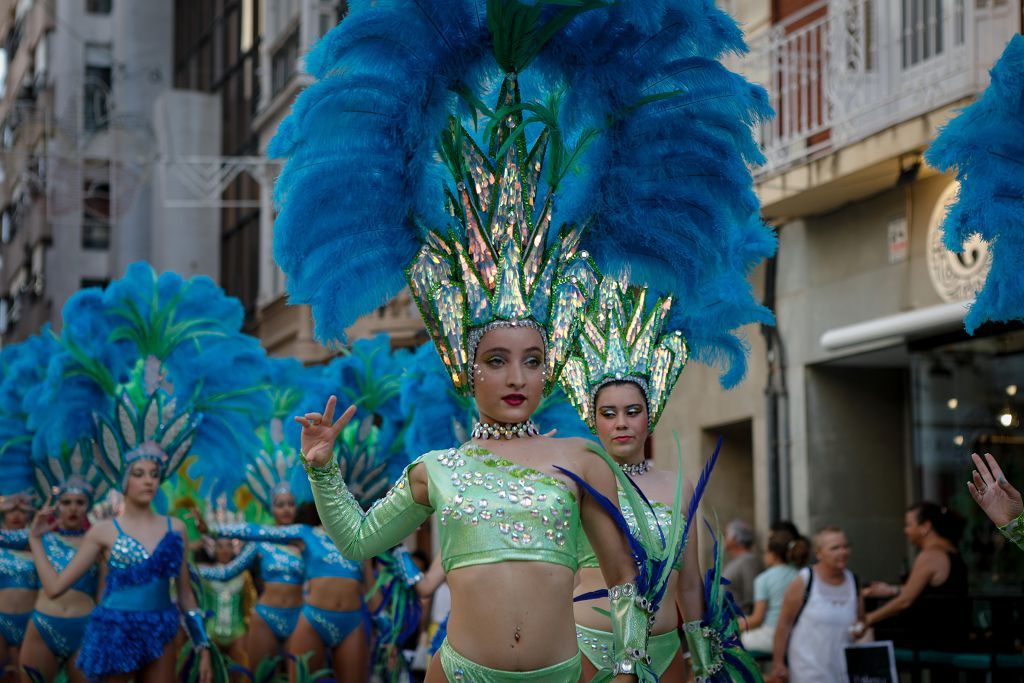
(705, 657)
(1014, 531)
(407, 569)
(631, 621)
(196, 629)
(361, 535)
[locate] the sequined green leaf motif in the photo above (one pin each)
(621, 340)
(497, 263)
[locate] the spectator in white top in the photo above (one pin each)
(820, 611)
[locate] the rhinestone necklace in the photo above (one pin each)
(487, 430)
(636, 468)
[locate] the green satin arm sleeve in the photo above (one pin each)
(1014, 531)
(703, 658)
(361, 535)
(631, 622)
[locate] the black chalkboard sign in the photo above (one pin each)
(871, 663)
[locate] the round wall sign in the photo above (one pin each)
(956, 277)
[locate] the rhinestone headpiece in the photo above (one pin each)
(269, 473)
(498, 264)
(76, 472)
(621, 341)
(151, 429)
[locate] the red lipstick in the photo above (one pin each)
(514, 399)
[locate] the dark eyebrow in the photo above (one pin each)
(613, 406)
(534, 348)
(497, 348)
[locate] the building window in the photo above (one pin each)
(87, 282)
(98, 6)
(922, 24)
(96, 207)
(99, 62)
(283, 62)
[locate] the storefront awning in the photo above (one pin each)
(896, 328)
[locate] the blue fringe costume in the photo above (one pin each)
(136, 602)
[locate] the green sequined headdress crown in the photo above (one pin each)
(499, 268)
(622, 341)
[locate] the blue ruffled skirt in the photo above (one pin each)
(122, 641)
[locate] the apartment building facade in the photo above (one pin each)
(88, 115)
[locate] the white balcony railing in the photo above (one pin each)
(841, 70)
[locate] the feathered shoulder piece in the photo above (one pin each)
(621, 340)
(484, 147)
(984, 145)
(144, 360)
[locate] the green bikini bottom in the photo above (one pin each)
(458, 669)
(597, 646)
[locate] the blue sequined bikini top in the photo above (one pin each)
(61, 553)
(16, 568)
(492, 510)
(129, 555)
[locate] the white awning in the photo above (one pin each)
(896, 328)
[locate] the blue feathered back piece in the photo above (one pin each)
(22, 369)
(371, 450)
(440, 417)
(984, 146)
(145, 338)
(648, 145)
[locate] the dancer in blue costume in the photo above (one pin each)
(334, 617)
(271, 475)
(479, 148)
(142, 363)
(57, 626)
(22, 367)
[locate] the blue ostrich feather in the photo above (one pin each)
(984, 146)
(652, 141)
(145, 331)
(22, 372)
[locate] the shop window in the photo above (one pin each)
(968, 397)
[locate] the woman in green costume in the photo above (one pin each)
(229, 602)
(619, 378)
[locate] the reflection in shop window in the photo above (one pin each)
(966, 399)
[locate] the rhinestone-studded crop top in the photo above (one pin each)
(490, 510)
(320, 557)
(661, 517)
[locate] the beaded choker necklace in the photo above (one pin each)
(636, 468)
(71, 532)
(487, 430)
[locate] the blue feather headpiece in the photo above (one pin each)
(143, 363)
(275, 469)
(481, 145)
(22, 370)
(371, 449)
(984, 145)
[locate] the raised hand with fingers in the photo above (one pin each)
(45, 520)
(997, 497)
(319, 432)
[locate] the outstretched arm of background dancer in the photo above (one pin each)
(997, 497)
(358, 535)
(54, 584)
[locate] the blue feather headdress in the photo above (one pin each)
(143, 362)
(456, 139)
(371, 450)
(984, 145)
(275, 467)
(22, 370)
